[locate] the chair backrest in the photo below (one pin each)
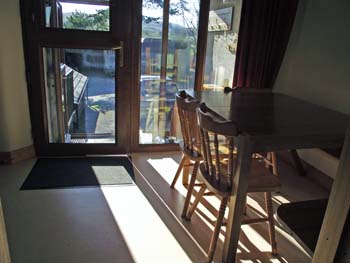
(212, 125)
(187, 106)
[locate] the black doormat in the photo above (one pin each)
(49, 173)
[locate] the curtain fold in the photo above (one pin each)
(263, 37)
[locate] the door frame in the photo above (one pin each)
(36, 36)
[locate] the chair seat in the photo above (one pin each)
(191, 154)
(260, 179)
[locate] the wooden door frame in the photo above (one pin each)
(36, 36)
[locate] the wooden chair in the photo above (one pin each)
(217, 174)
(190, 145)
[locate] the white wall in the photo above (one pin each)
(15, 127)
(316, 65)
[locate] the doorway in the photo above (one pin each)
(78, 63)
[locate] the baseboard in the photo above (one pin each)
(17, 155)
(324, 177)
(321, 160)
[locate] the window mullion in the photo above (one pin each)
(165, 35)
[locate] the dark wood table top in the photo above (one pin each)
(278, 120)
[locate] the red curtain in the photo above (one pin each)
(263, 37)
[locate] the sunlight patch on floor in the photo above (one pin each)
(256, 237)
(166, 168)
(279, 199)
(147, 237)
(291, 240)
(163, 166)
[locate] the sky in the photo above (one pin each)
(89, 9)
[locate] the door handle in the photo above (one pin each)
(120, 48)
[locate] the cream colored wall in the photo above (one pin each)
(15, 127)
(316, 66)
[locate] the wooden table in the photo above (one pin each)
(269, 122)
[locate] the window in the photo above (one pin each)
(80, 95)
(168, 58)
(75, 14)
(224, 18)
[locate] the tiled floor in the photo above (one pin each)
(130, 223)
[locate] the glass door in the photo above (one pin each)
(80, 88)
(79, 74)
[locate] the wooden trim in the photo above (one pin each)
(313, 173)
(323, 161)
(202, 43)
(16, 156)
(135, 71)
(87, 2)
(157, 148)
(164, 55)
(4, 247)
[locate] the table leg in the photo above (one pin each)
(237, 201)
(297, 162)
(337, 209)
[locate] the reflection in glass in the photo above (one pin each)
(159, 86)
(80, 95)
(221, 44)
(75, 15)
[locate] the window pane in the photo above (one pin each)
(157, 115)
(80, 95)
(151, 48)
(75, 15)
(182, 43)
(224, 18)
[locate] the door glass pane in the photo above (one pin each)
(80, 95)
(158, 87)
(224, 18)
(77, 14)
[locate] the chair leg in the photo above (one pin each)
(196, 202)
(268, 157)
(274, 163)
(190, 189)
(245, 205)
(181, 165)
(271, 223)
(215, 236)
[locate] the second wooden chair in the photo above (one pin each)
(191, 144)
(217, 173)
